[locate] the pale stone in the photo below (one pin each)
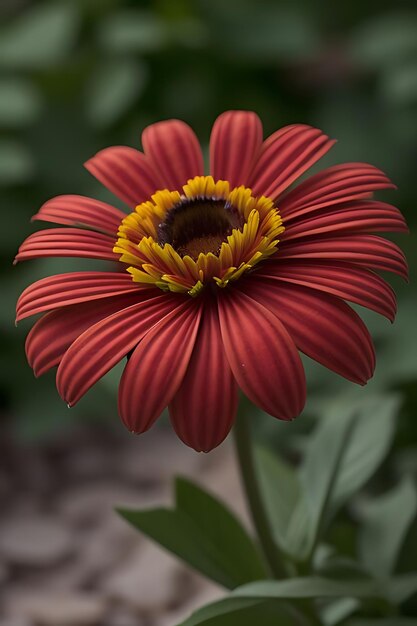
(3, 572)
(89, 463)
(35, 541)
(93, 500)
(102, 548)
(52, 608)
(122, 617)
(14, 620)
(147, 582)
(156, 457)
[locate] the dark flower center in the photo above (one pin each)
(199, 225)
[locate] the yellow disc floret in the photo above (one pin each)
(207, 234)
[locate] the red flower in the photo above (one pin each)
(228, 275)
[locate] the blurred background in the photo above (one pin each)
(79, 75)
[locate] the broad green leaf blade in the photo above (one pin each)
(401, 587)
(133, 31)
(280, 488)
(40, 37)
(336, 567)
(176, 532)
(310, 587)
(221, 529)
(318, 474)
(204, 534)
(368, 444)
(387, 520)
(20, 102)
(16, 163)
(389, 621)
(242, 611)
(112, 89)
(338, 611)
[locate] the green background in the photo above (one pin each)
(78, 76)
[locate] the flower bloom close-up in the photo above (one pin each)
(217, 281)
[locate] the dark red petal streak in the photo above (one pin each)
(338, 183)
(67, 242)
(103, 345)
(64, 289)
(344, 280)
(322, 326)
(81, 211)
(262, 355)
(174, 151)
(157, 367)
(126, 172)
(53, 334)
(356, 216)
(285, 156)
(235, 143)
(204, 407)
(368, 250)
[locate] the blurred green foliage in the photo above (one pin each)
(79, 75)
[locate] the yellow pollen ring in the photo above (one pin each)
(153, 263)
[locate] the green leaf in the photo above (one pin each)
(368, 444)
(338, 611)
(222, 528)
(399, 85)
(401, 587)
(389, 621)
(280, 488)
(386, 40)
(202, 532)
(341, 567)
(319, 474)
(242, 611)
(20, 102)
(113, 89)
(346, 449)
(310, 587)
(16, 164)
(387, 520)
(132, 31)
(40, 37)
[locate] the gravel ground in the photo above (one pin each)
(67, 559)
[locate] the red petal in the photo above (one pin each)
(322, 326)
(204, 407)
(174, 151)
(53, 334)
(73, 210)
(344, 280)
(368, 250)
(285, 156)
(235, 143)
(356, 217)
(64, 289)
(126, 172)
(157, 367)
(339, 183)
(262, 355)
(103, 345)
(67, 242)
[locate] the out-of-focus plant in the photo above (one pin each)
(322, 581)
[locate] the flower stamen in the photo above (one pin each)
(207, 234)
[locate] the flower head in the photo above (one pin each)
(218, 281)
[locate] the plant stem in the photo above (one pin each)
(259, 516)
